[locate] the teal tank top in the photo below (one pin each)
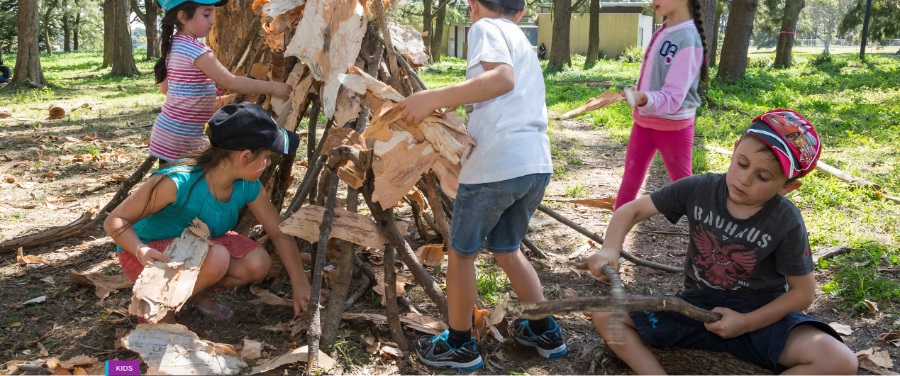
(194, 200)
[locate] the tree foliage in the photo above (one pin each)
(8, 30)
(884, 22)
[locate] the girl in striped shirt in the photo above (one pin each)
(188, 73)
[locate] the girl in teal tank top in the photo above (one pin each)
(213, 186)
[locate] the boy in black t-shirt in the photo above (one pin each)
(749, 259)
(5, 72)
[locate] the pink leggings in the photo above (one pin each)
(675, 147)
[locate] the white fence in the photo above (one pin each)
(842, 42)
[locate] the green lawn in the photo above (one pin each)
(855, 106)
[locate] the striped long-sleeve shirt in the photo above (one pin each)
(669, 76)
(190, 103)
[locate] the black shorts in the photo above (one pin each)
(662, 329)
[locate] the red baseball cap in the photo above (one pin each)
(793, 139)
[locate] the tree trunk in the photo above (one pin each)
(593, 51)
(28, 59)
(436, 42)
(148, 18)
(115, 16)
(427, 20)
(559, 49)
(67, 30)
(787, 34)
(75, 28)
(733, 63)
(708, 8)
(228, 32)
(714, 43)
(151, 13)
(828, 39)
(50, 5)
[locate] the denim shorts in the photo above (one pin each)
(495, 214)
(763, 347)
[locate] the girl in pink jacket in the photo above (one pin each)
(665, 99)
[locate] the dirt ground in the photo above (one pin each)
(45, 168)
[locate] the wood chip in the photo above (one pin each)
(300, 354)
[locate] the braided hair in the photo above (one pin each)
(697, 13)
(169, 26)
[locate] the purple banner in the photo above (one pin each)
(123, 367)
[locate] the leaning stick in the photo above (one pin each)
(599, 239)
(600, 101)
(315, 324)
(390, 298)
(831, 171)
(386, 223)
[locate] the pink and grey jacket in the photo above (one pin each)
(669, 76)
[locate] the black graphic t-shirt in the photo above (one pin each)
(756, 253)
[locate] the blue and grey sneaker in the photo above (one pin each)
(550, 344)
(436, 352)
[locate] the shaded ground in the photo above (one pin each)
(74, 321)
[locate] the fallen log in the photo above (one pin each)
(85, 222)
(5, 113)
(60, 110)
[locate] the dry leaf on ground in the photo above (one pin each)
(841, 328)
(267, 297)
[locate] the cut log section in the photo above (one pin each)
(60, 110)
(172, 349)
(164, 288)
(600, 101)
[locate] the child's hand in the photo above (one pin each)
(604, 256)
(301, 296)
(635, 98)
(731, 325)
(282, 90)
(148, 256)
(417, 107)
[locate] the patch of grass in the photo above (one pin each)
(857, 278)
(491, 282)
(348, 351)
(91, 149)
(576, 190)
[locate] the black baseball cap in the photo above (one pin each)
(511, 4)
(247, 126)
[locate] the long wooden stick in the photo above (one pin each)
(390, 298)
(606, 304)
(380, 15)
(828, 170)
(315, 325)
(599, 239)
(386, 223)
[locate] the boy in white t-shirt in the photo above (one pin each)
(501, 183)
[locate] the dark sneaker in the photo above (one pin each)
(436, 352)
(550, 344)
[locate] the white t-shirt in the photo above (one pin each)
(511, 130)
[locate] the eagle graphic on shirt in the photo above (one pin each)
(721, 265)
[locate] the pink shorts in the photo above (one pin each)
(238, 246)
